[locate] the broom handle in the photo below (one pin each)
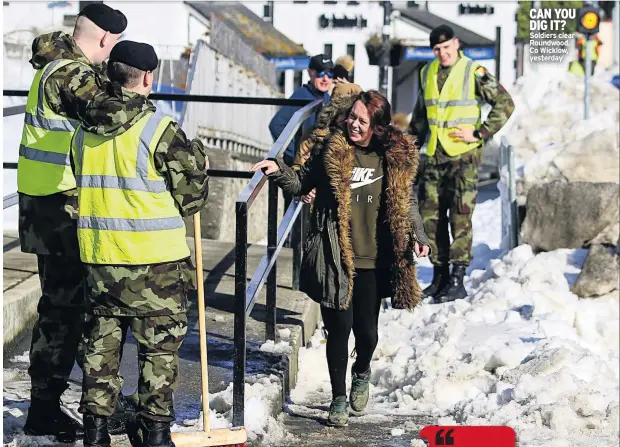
(201, 324)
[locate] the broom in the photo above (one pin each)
(207, 438)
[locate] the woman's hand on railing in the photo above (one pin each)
(308, 198)
(421, 251)
(268, 167)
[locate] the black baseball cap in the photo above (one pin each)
(441, 34)
(320, 63)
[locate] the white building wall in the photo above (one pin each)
(300, 23)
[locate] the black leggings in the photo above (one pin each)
(363, 317)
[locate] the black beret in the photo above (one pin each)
(441, 34)
(106, 18)
(135, 54)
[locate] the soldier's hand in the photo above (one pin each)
(421, 251)
(309, 197)
(268, 167)
(464, 134)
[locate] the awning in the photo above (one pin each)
(290, 63)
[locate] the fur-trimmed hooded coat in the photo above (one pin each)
(328, 260)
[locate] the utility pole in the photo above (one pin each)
(586, 94)
(385, 60)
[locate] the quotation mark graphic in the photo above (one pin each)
(463, 436)
(440, 439)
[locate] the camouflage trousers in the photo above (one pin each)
(447, 197)
(159, 340)
(58, 329)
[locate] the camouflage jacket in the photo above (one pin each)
(488, 90)
(148, 290)
(47, 224)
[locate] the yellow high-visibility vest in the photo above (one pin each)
(456, 105)
(592, 47)
(575, 68)
(43, 167)
(126, 214)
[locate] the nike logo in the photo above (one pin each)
(364, 183)
(325, 61)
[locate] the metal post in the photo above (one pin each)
(385, 60)
(586, 95)
(298, 230)
(272, 241)
(512, 191)
(498, 52)
(241, 271)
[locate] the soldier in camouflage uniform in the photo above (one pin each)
(70, 75)
(449, 183)
(124, 290)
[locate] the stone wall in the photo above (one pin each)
(218, 216)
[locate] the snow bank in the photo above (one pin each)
(549, 110)
(521, 350)
(551, 137)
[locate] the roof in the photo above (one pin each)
(429, 21)
(260, 35)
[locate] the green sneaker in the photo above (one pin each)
(360, 390)
(338, 412)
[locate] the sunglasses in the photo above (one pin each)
(329, 74)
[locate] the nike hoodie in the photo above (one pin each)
(366, 188)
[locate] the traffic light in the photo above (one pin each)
(588, 19)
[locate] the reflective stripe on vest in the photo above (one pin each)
(456, 105)
(44, 166)
(126, 214)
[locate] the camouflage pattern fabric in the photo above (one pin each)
(48, 225)
(140, 290)
(488, 90)
(159, 340)
(58, 330)
(450, 187)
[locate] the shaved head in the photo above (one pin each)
(85, 29)
(95, 42)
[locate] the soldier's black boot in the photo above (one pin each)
(455, 289)
(45, 418)
(155, 433)
(96, 431)
(441, 275)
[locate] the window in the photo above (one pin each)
(353, 3)
(351, 52)
(412, 5)
(266, 11)
(297, 80)
(300, 2)
(328, 50)
(331, 3)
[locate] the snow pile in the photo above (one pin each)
(282, 347)
(549, 110)
(551, 138)
(521, 350)
(260, 392)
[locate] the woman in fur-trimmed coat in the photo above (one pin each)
(365, 229)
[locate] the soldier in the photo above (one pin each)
(66, 80)
(137, 174)
(453, 88)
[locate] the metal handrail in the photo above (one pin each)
(246, 295)
(202, 98)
